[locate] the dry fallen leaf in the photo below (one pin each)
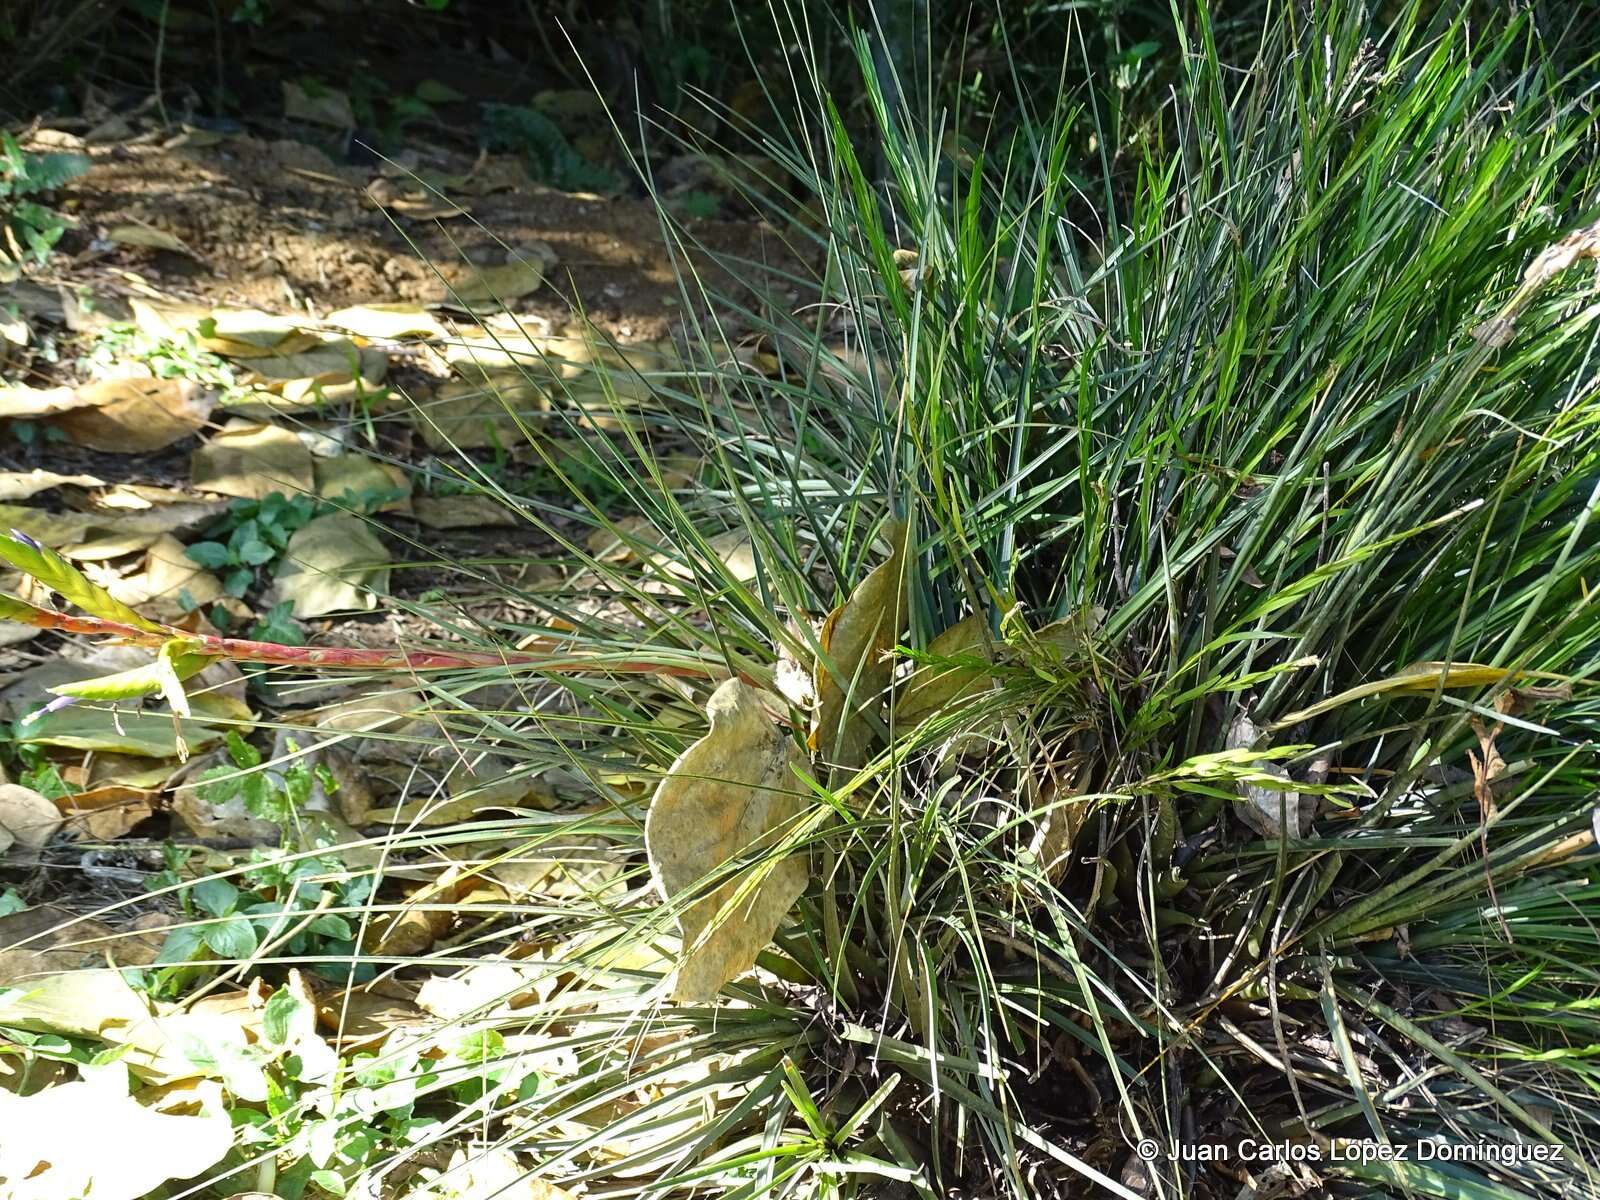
(462, 512)
(1261, 806)
(252, 461)
(249, 333)
(487, 1174)
(732, 793)
(48, 939)
(330, 371)
(362, 484)
(856, 638)
(147, 237)
(474, 287)
(334, 563)
(19, 485)
(29, 403)
(46, 1154)
(134, 416)
(168, 585)
(464, 415)
(106, 812)
(317, 104)
(27, 817)
(387, 322)
(934, 687)
(49, 529)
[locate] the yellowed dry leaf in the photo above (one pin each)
(331, 371)
(252, 461)
(50, 529)
(335, 563)
(169, 584)
(732, 793)
(249, 333)
(474, 287)
(134, 416)
(854, 669)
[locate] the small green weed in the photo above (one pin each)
(118, 344)
(252, 534)
(550, 157)
(30, 228)
(262, 911)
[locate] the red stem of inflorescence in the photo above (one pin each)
(351, 657)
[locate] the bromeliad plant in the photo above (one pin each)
(1148, 606)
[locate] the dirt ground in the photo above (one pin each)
(279, 225)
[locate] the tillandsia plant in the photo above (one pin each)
(1140, 613)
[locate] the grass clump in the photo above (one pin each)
(1173, 571)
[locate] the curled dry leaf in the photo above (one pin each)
(134, 416)
(93, 1139)
(732, 793)
(854, 668)
(1262, 805)
(334, 563)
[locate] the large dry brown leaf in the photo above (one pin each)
(48, 939)
(106, 812)
(732, 793)
(333, 564)
(252, 461)
(854, 669)
(135, 416)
